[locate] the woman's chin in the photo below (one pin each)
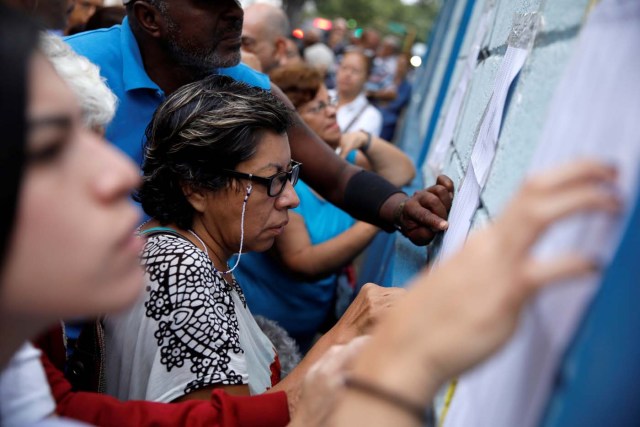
(122, 294)
(333, 137)
(260, 246)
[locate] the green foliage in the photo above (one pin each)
(387, 16)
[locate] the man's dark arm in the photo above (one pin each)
(325, 172)
(365, 195)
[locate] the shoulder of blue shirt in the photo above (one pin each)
(103, 41)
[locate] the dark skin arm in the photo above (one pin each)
(325, 172)
(423, 215)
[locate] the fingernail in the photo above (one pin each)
(444, 225)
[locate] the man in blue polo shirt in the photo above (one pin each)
(164, 44)
(121, 63)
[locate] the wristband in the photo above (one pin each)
(365, 194)
(367, 144)
(416, 410)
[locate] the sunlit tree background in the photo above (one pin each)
(400, 17)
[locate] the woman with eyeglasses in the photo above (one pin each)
(305, 281)
(306, 90)
(217, 180)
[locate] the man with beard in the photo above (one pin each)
(164, 44)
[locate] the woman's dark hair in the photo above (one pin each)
(18, 42)
(202, 128)
(299, 81)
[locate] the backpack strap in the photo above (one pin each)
(355, 118)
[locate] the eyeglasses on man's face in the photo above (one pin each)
(275, 183)
(322, 105)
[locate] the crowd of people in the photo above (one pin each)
(257, 198)
(367, 76)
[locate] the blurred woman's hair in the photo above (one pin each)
(96, 100)
(299, 81)
(321, 57)
(201, 129)
(18, 43)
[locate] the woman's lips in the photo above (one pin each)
(333, 126)
(132, 244)
(278, 229)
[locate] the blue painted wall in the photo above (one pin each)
(526, 111)
(608, 376)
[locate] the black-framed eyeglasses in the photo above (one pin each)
(275, 183)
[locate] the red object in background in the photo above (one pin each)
(297, 33)
(323, 24)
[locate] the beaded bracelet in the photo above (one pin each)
(397, 214)
(418, 411)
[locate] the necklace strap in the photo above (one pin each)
(204, 246)
(159, 230)
(244, 207)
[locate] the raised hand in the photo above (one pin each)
(425, 213)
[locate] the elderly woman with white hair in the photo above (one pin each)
(321, 57)
(97, 106)
(97, 102)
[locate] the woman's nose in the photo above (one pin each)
(117, 177)
(289, 198)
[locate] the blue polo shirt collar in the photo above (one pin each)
(133, 74)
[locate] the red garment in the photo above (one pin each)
(222, 410)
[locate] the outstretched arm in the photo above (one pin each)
(296, 251)
(342, 184)
(220, 409)
(370, 306)
(470, 310)
(325, 172)
(385, 159)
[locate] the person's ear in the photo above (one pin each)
(197, 197)
(149, 19)
(281, 49)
